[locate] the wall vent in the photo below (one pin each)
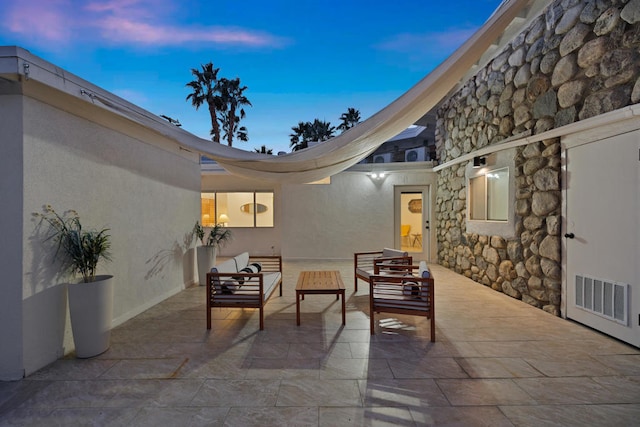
(605, 298)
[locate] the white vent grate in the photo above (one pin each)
(605, 298)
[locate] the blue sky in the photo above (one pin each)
(300, 60)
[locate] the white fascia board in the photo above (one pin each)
(18, 64)
(9, 63)
(14, 58)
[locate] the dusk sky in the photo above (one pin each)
(300, 60)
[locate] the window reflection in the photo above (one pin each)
(489, 196)
(237, 209)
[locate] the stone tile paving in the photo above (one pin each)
(488, 367)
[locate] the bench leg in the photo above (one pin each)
(261, 318)
(433, 329)
(372, 324)
(371, 320)
(344, 319)
(298, 307)
(208, 312)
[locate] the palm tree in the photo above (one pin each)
(349, 119)
(321, 130)
(242, 134)
(232, 111)
(205, 89)
(299, 136)
(263, 150)
(307, 132)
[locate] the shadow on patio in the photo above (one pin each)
(496, 361)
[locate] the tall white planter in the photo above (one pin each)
(206, 256)
(91, 311)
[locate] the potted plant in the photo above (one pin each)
(91, 298)
(217, 237)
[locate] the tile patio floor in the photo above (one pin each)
(496, 362)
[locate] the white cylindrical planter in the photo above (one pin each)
(206, 256)
(91, 311)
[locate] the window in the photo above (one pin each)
(489, 196)
(237, 209)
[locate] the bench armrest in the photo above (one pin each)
(270, 263)
(364, 260)
(403, 263)
(227, 283)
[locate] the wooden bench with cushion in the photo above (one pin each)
(244, 282)
(403, 293)
(367, 263)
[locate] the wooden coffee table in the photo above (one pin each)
(319, 282)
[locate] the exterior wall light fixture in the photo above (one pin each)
(479, 161)
(377, 176)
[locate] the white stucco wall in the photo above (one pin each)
(11, 241)
(324, 221)
(354, 213)
(148, 196)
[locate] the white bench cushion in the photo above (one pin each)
(228, 266)
(241, 260)
(269, 281)
(234, 265)
(393, 253)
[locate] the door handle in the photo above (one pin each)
(569, 235)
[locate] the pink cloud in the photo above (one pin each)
(113, 5)
(133, 9)
(118, 29)
(38, 19)
(130, 22)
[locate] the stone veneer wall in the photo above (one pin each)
(577, 60)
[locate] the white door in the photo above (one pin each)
(602, 235)
(412, 220)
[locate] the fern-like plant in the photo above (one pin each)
(217, 237)
(80, 250)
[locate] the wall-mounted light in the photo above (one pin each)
(377, 176)
(479, 161)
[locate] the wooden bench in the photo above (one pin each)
(367, 263)
(403, 293)
(229, 286)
